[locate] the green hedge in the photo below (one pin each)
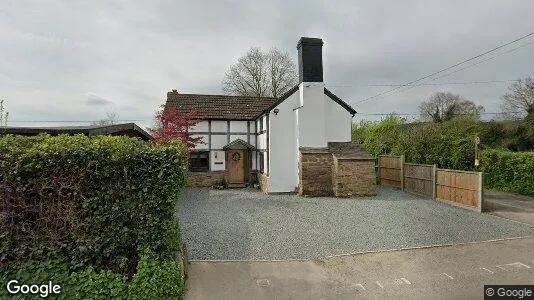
(89, 201)
(154, 279)
(509, 171)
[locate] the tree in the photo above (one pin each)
(111, 118)
(445, 106)
(4, 114)
(518, 102)
(261, 74)
(172, 124)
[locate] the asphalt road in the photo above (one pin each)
(450, 272)
(511, 206)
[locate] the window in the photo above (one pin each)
(199, 161)
(260, 167)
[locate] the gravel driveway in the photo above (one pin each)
(245, 224)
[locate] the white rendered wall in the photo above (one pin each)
(282, 147)
(217, 161)
(218, 141)
(338, 122)
(219, 126)
(238, 126)
(201, 126)
(252, 140)
(312, 115)
(262, 141)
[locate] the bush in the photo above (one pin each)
(380, 138)
(96, 201)
(508, 171)
(156, 279)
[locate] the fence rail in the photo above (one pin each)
(463, 188)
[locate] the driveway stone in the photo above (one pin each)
(245, 224)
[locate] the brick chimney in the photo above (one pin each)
(310, 59)
(312, 113)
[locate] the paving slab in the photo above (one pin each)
(245, 224)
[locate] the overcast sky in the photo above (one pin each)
(78, 60)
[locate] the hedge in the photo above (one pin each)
(508, 171)
(154, 279)
(91, 202)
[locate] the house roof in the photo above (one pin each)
(239, 144)
(127, 129)
(219, 106)
(294, 89)
(235, 107)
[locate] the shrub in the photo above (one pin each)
(93, 200)
(509, 171)
(156, 279)
(381, 137)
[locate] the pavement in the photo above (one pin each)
(511, 206)
(449, 272)
(245, 224)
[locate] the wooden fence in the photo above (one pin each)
(460, 187)
(419, 179)
(457, 187)
(390, 170)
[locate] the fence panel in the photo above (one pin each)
(419, 179)
(390, 170)
(461, 187)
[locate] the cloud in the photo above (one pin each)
(94, 99)
(135, 52)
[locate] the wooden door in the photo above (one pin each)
(236, 166)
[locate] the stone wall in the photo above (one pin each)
(353, 177)
(205, 179)
(315, 172)
(264, 182)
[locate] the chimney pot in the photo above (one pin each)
(174, 91)
(310, 59)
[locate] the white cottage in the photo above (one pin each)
(294, 143)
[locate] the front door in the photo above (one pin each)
(236, 166)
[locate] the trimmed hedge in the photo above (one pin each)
(508, 171)
(154, 279)
(92, 202)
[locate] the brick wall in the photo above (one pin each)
(315, 169)
(204, 179)
(353, 177)
(264, 182)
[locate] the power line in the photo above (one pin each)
(417, 114)
(437, 83)
(448, 68)
(471, 65)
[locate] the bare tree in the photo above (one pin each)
(111, 118)
(261, 74)
(4, 114)
(445, 106)
(518, 102)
